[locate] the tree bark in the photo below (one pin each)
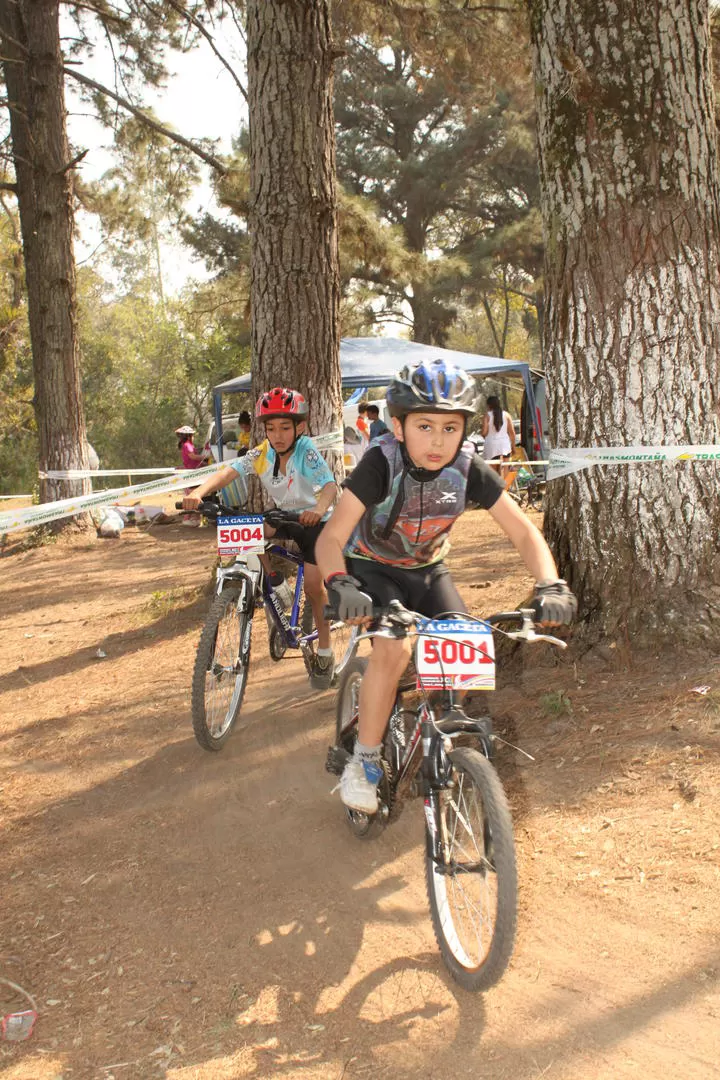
(295, 283)
(32, 66)
(631, 338)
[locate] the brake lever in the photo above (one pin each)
(527, 631)
(532, 636)
(529, 634)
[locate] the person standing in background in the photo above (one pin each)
(361, 423)
(377, 426)
(191, 459)
(499, 434)
(242, 444)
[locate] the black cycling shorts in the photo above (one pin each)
(303, 535)
(428, 590)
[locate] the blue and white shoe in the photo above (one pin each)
(358, 786)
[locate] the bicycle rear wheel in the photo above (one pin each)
(473, 893)
(221, 668)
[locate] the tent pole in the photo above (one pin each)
(217, 403)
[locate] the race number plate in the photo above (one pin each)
(240, 535)
(458, 655)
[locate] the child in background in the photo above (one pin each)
(242, 444)
(378, 427)
(361, 423)
(295, 477)
(191, 459)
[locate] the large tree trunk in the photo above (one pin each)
(295, 289)
(431, 319)
(632, 339)
(32, 67)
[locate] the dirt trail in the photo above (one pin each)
(202, 917)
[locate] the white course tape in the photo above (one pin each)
(31, 516)
(88, 474)
(564, 462)
(333, 440)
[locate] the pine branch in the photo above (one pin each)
(75, 161)
(238, 25)
(209, 159)
(102, 13)
(18, 45)
(193, 19)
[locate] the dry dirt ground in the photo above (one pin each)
(204, 917)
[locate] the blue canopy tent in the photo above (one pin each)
(372, 361)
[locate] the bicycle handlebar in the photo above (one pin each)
(213, 511)
(398, 621)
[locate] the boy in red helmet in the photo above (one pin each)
(296, 477)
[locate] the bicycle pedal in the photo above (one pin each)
(336, 760)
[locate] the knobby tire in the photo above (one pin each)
(223, 614)
(497, 845)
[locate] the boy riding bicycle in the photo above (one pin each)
(295, 477)
(388, 536)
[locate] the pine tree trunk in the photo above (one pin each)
(295, 288)
(32, 65)
(632, 340)
(431, 319)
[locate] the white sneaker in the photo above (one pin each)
(356, 791)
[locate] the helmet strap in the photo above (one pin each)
(291, 447)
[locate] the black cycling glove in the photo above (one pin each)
(553, 602)
(346, 599)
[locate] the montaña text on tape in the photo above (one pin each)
(567, 461)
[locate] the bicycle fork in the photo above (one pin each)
(436, 792)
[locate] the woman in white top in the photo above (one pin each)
(499, 433)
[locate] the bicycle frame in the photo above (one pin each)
(436, 742)
(250, 568)
(290, 628)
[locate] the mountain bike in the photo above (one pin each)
(222, 661)
(470, 866)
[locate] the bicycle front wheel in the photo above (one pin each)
(343, 638)
(221, 669)
(473, 890)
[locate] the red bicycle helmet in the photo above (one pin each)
(281, 401)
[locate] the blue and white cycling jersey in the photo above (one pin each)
(306, 473)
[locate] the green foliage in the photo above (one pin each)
(556, 703)
(149, 367)
(18, 439)
(140, 203)
(446, 158)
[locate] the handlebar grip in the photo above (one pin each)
(285, 516)
(207, 507)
